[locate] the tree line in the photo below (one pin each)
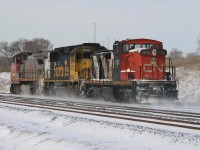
(188, 60)
(7, 50)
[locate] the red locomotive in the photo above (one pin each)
(144, 62)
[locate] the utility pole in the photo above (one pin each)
(95, 32)
(108, 42)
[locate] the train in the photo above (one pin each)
(134, 70)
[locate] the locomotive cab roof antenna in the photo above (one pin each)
(95, 32)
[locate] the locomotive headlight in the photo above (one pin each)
(154, 51)
(146, 77)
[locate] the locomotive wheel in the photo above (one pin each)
(46, 90)
(12, 89)
(143, 97)
(92, 93)
(19, 90)
(52, 89)
(15, 89)
(116, 93)
(125, 95)
(49, 89)
(122, 95)
(32, 87)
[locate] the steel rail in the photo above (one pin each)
(112, 115)
(122, 108)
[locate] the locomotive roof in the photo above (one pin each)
(23, 53)
(73, 48)
(103, 51)
(140, 40)
(30, 52)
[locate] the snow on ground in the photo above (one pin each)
(27, 128)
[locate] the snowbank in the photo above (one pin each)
(5, 82)
(189, 85)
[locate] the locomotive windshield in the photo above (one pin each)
(145, 52)
(147, 46)
(157, 52)
(87, 55)
(162, 52)
(126, 48)
(134, 46)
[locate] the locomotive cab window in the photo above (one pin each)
(116, 47)
(125, 48)
(161, 52)
(78, 56)
(144, 46)
(54, 56)
(108, 56)
(72, 57)
(87, 55)
(137, 46)
(145, 52)
(40, 61)
(132, 46)
(18, 59)
(14, 60)
(148, 46)
(23, 57)
(157, 47)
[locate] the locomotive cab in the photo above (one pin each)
(27, 69)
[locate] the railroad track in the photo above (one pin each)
(162, 117)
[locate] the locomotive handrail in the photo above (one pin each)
(30, 74)
(169, 72)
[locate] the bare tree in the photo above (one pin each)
(38, 44)
(191, 55)
(5, 54)
(198, 45)
(17, 46)
(177, 57)
(8, 50)
(176, 54)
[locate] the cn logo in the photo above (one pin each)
(151, 68)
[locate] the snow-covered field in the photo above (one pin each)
(30, 128)
(26, 128)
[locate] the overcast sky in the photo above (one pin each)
(64, 22)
